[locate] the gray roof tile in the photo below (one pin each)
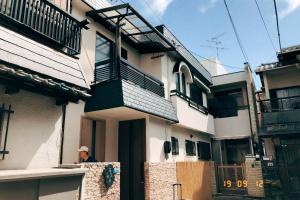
(141, 99)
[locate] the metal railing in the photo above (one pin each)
(231, 179)
(280, 104)
(131, 74)
(45, 19)
(190, 102)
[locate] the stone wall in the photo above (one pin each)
(93, 187)
(159, 180)
(254, 177)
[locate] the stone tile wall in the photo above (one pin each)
(93, 187)
(159, 180)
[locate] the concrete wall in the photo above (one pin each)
(233, 127)
(34, 132)
(93, 187)
(191, 118)
(283, 79)
(158, 131)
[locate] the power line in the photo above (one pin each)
(277, 22)
(236, 33)
(230, 66)
(265, 25)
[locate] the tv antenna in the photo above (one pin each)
(216, 44)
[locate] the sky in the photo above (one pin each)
(194, 22)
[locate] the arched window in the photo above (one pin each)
(183, 78)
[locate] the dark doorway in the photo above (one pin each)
(288, 160)
(132, 155)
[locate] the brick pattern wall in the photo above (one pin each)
(254, 177)
(159, 180)
(93, 187)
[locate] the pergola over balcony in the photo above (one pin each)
(134, 29)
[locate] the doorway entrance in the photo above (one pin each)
(132, 155)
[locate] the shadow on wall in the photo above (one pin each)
(34, 132)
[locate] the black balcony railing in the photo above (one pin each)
(130, 73)
(45, 20)
(280, 104)
(281, 115)
(190, 102)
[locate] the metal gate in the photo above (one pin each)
(231, 179)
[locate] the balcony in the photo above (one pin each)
(191, 114)
(41, 20)
(131, 74)
(280, 116)
(126, 92)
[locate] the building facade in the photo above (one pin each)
(279, 118)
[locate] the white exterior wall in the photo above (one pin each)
(191, 118)
(233, 127)
(34, 132)
(74, 112)
(159, 131)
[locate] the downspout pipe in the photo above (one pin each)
(62, 134)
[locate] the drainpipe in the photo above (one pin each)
(62, 134)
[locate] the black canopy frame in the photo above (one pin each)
(134, 29)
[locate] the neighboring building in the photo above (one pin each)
(41, 84)
(279, 113)
(232, 103)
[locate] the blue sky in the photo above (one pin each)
(196, 21)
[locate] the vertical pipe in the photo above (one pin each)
(62, 135)
(118, 46)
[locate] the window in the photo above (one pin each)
(104, 51)
(196, 94)
(183, 82)
(190, 148)
(203, 149)
(124, 54)
(227, 103)
(177, 79)
(175, 146)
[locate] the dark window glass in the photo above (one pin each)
(175, 146)
(183, 83)
(196, 94)
(203, 149)
(177, 79)
(227, 104)
(103, 50)
(190, 148)
(124, 54)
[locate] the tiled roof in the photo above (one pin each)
(140, 99)
(267, 66)
(291, 49)
(45, 82)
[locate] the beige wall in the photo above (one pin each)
(34, 132)
(283, 79)
(158, 131)
(233, 127)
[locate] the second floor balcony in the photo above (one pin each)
(44, 22)
(126, 92)
(280, 115)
